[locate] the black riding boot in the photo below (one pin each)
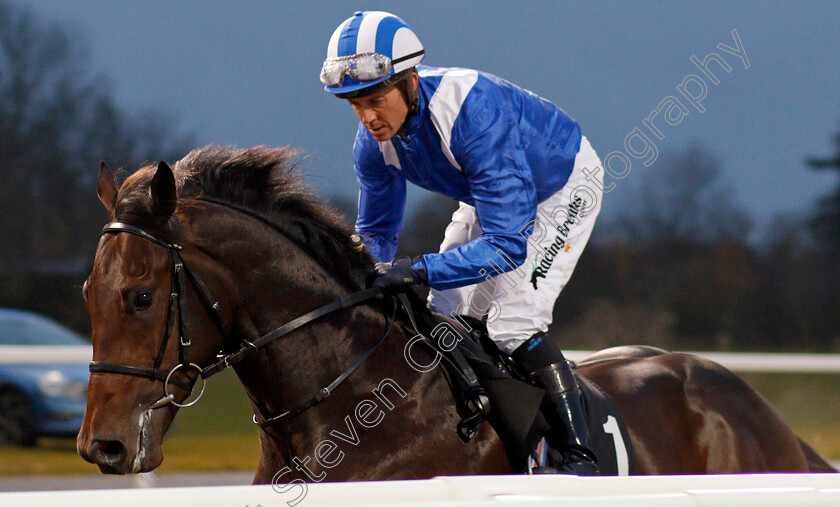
(549, 369)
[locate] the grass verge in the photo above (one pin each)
(809, 402)
(215, 434)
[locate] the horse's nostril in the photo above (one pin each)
(110, 447)
(108, 451)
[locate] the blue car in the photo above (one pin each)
(43, 378)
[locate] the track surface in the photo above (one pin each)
(153, 480)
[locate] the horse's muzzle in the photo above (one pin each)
(110, 455)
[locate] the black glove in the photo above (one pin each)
(397, 276)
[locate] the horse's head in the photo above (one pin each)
(223, 222)
(137, 306)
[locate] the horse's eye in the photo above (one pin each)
(142, 300)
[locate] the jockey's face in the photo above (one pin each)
(383, 112)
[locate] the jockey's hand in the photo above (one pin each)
(397, 276)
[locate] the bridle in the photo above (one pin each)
(174, 309)
(180, 274)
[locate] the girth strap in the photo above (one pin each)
(475, 397)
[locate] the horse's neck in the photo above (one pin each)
(388, 420)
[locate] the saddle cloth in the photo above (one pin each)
(516, 417)
(515, 404)
(607, 431)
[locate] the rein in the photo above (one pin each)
(180, 273)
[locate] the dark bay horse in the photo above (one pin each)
(259, 251)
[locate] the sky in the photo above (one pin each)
(246, 73)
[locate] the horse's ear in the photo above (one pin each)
(106, 188)
(164, 197)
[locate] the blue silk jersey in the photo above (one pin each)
(478, 139)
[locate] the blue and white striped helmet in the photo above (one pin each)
(367, 49)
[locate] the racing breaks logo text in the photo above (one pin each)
(559, 243)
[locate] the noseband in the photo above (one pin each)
(180, 274)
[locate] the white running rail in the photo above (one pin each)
(799, 490)
(736, 361)
(45, 354)
(757, 361)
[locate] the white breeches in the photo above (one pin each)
(520, 302)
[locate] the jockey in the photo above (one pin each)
(526, 180)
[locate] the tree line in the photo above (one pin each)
(676, 269)
(57, 121)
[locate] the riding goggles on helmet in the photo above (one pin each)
(361, 67)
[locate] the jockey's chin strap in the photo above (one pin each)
(411, 95)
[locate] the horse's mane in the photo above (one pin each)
(264, 181)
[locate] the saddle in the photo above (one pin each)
(487, 386)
